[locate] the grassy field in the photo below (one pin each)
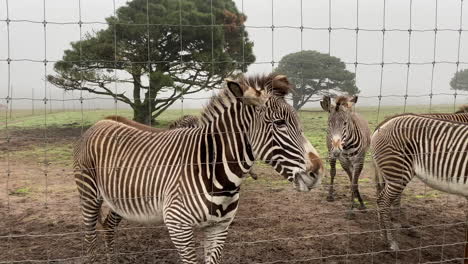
(314, 121)
(41, 199)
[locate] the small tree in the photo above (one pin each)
(460, 80)
(155, 47)
(316, 73)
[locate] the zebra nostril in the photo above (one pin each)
(312, 174)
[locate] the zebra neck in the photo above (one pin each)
(232, 156)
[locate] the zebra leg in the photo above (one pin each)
(331, 192)
(90, 207)
(112, 221)
(182, 237)
(215, 236)
(357, 172)
(384, 202)
(350, 212)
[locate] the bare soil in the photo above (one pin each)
(40, 219)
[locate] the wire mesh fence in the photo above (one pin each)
(40, 206)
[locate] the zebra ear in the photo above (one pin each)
(235, 88)
(352, 101)
(325, 103)
(248, 94)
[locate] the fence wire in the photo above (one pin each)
(318, 234)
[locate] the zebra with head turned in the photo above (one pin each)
(348, 139)
(432, 149)
(191, 177)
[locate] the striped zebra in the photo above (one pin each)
(432, 149)
(348, 139)
(460, 115)
(191, 177)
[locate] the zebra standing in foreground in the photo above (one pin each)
(348, 139)
(191, 177)
(461, 115)
(432, 149)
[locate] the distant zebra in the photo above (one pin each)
(191, 177)
(348, 139)
(432, 149)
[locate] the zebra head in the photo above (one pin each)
(339, 122)
(275, 131)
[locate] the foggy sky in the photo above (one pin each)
(29, 42)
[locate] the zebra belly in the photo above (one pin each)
(440, 182)
(151, 215)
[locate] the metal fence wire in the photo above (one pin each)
(40, 219)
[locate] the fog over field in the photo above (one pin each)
(27, 44)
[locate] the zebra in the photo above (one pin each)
(348, 139)
(460, 115)
(432, 149)
(191, 177)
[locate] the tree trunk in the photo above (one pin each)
(142, 114)
(296, 102)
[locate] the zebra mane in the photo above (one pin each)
(462, 109)
(273, 84)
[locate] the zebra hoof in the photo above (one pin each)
(330, 198)
(362, 207)
(394, 246)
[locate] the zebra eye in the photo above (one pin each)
(280, 122)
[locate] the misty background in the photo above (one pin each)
(29, 46)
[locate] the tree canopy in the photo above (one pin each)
(155, 47)
(315, 73)
(460, 80)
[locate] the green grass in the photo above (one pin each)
(314, 122)
(57, 154)
(23, 191)
(20, 119)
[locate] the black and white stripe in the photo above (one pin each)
(348, 139)
(191, 177)
(432, 149)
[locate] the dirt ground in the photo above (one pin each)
(40, 219)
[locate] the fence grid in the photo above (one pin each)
(10, 133)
